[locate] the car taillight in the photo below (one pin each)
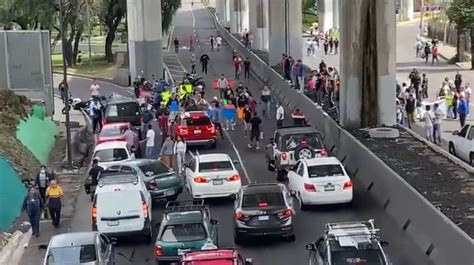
(234, 177)
(347, 185)
(94, 214)
(262, 204)
(283, 156)
(200, 180)
(285, 214)
(211, 128)
(152, 185)
(145, 209)
(182, 130)
(309, 187)
(240, 216)
(158, 251)
(323, 152)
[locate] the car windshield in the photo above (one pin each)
(154, 168)
(111, 155)
(122, 109)
(183, 232)
(71, 255)
(111, 132)
(196, 121)
(325, 171)
(292, 141)
(215, 166)
(358, 257)
(257, 199)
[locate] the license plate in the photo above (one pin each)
(183, 251)
(329, 188)
(264, 218)
(218, 182)
(113, 223)
(197, 131)
(170, 192)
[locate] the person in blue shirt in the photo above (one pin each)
(33, 206)
(215, 114)
(229, 113)
(462, 110)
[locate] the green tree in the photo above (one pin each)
(168, 10)
(27, 14)
(111, 14)
(461, 12)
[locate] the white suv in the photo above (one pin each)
(122, 206)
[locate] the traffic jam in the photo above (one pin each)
(126, 181)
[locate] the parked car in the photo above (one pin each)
(263, 210)
(349, 243)
(113, 153)
(195, 128)
(114, 132)
(290, 144)
(214, 256)
(461, 144)
(123, 110)
(91, 248)
(212, 175)
(320, 181)
(186, 226)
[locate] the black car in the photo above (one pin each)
(123, 110)
(263, 210)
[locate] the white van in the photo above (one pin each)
(113, 153)
(122, 206)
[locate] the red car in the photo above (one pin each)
(195, 128)
(214, 257)
(114, 132)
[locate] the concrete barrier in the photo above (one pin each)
(436, 235)
(8, 251)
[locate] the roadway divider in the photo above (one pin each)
(436, 235)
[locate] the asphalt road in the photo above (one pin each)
(308, 225)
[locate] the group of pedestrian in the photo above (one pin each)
(248, 39)
(293, 71)
(43, 200)
(425, 49)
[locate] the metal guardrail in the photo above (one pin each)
(435, 234)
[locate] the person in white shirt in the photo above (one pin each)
(222, 84)
(467, 95)
(180, 151)
(438, 115)
(130, 137)
(95, 113)
(150, 142)
(428, 119)
(309, 47)
(315, 47)
(95, 88)
(280, 115)
(218, 42)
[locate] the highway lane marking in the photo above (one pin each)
(194, 19)
(197, 152)
(191, 153)
(170, 37)
(238, 157)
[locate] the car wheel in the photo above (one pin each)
(280, 174)
(214, 145)
(290, 238)
(451, 149)
(149, 236)
(237, 240)
(172, 197)
(270, 165)
(303, 206)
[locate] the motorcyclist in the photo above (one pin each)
(165, 96)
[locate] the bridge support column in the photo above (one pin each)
(325, 15)
(236, 16)
(258, 20)
(285, 29)
(407, 9)
(144, 37)
(220, 10)
(335, 13)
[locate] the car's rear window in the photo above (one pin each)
(111, 155)
(257, 199)
(111, 132)
(214, 262)
(215, 166)
(292, 141)
(196, 121)
(183, 232)
(122, 109)
(154, 168)
(357, 256)
(71, 255)
(109, 202)
(325, 171)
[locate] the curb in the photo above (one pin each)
(439, 150)
(13, 247)
(103, 79)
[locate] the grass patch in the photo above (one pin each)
(308, 20)
(100, 66)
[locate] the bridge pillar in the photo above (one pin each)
(335, 13)
(220, 10)
(325, 15)
(237, 16)
(145, 37)
(258, 20)
(407, 9)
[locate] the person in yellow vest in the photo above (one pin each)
(165, 96)
(189, 88)
(182, 92)
(449, 99)
(54, 195)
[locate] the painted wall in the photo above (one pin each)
(12, 193)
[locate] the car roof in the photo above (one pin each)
(122, 100)
(122, 186)
(141, 161)
(196, 114)
(297, 129)
(184, 217)
(211, 254)
(262, 188)
(213, 157)
(73, 239)
(116, 125)
(111, 145)
(322, 161)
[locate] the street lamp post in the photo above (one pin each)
(66, 86)
(422, 14)
(90, 32)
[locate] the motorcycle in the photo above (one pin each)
(78, 104)
(195, 81)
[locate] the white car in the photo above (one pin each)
(212, 175)
(320, 181)
(461, 143)
(113, 153)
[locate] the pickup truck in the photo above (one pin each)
(461, 144)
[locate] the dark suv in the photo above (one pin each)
(123, 110)
(290, 144)
(263, 210)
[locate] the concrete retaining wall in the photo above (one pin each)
(432, 231)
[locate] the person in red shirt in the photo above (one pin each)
(163, 123)
(298, 117)
(434, 54)
(191, 43)
(237, 67)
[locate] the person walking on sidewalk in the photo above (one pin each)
(247, 68)
(204, 62)
(462, 110)
(280, 115)
(42, 181)
(33, 206)
(438, 115)
(255, 132)
(193, 63)
(176, 45)
(266, 99)
(54, 195)
(410, 106)
(167, 152)
(428, 119)
(180, 151)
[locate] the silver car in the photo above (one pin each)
(91, 248)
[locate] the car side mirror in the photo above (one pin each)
(455, 132)
(42, 247)
(292, 193)
(248, 261)
(214, 222)
(311, 247)
(384, 243)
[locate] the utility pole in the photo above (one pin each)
(89, 2)
(66, 86)
(422, 14)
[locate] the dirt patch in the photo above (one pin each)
(445, 184)
(14, 108)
